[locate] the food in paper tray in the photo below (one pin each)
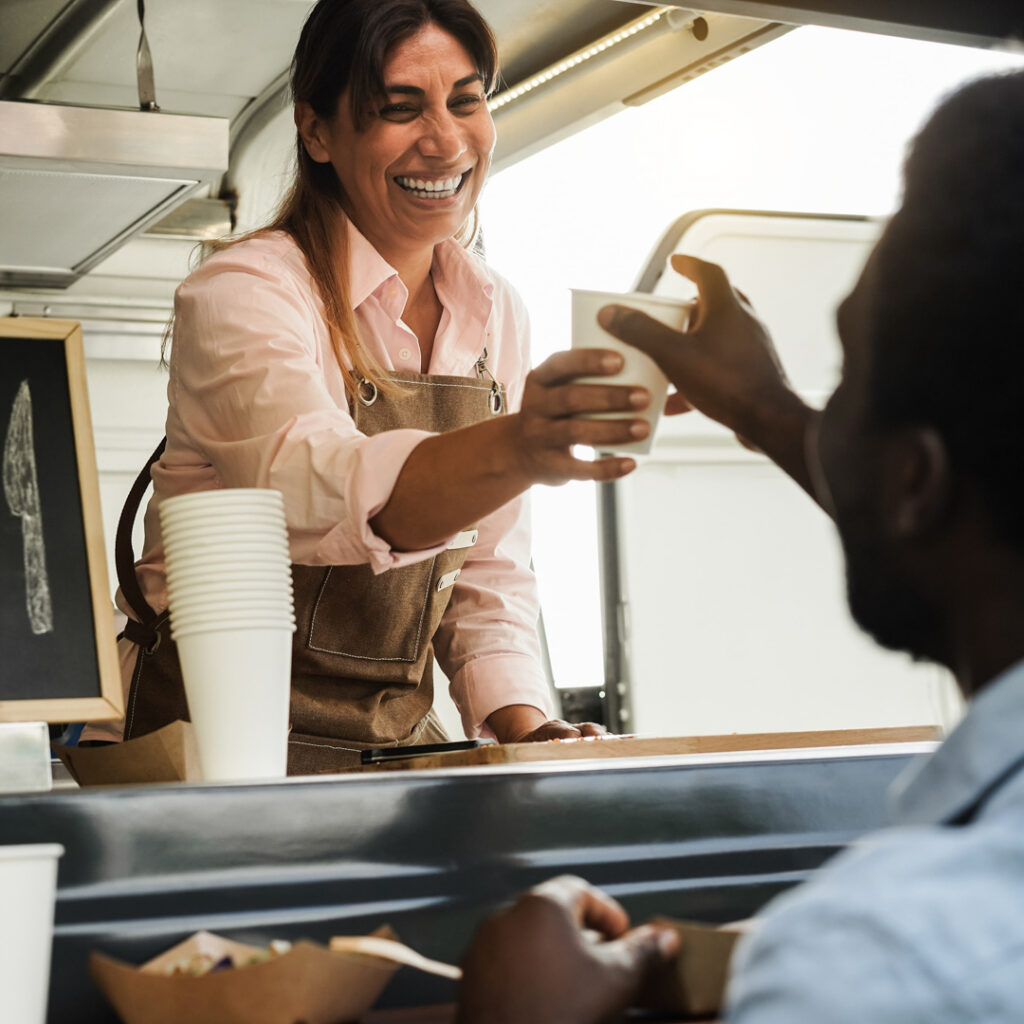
(198, 964)
(209, 979)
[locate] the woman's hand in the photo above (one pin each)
(562, 955)
(523, 723)
(725, 365)
(557, 729)
(548, 423)
(454, 478)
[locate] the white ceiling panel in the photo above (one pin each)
(21, 23)
(227, 47)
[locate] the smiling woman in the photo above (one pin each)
(356, 355)
(411, 175)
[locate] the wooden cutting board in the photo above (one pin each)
(639, 746)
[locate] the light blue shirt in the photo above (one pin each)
(922, 923)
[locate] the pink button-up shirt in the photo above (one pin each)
(257, 400)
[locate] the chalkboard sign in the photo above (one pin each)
(58, 657)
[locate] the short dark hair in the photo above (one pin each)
(947, 324)
(344, 44)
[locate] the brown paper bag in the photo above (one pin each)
(167, 755)
(308, 983)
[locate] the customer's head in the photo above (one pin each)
(922, 444)
(388, 93)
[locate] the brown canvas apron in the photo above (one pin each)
(363, 652)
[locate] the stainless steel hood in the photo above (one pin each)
(76, 182)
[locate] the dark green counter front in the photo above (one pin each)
(708, 838)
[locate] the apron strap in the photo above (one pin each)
(142, 632)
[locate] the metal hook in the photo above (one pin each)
(495, 400)
(482, 369)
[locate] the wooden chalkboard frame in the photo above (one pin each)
(109, 703)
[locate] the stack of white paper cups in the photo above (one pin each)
(229, 587)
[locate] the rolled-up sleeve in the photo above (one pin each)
(247, 380)
(488, 644)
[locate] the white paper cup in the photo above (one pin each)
(638, 369)
(192, 521)
(233, 570)
(203, 619)
(28, 888)
(263, 586)
(230, 552)
(210, 624)
(279, 588)
(231, 602)
(198, 613)
(223, 497)
(179, 559)
(252, 556)
(222, 518)
(237, 499)
(237, 571)
(216, 537)
(257, 502)
(237, 683)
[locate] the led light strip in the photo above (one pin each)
(577, 58)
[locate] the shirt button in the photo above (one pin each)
(404, 354)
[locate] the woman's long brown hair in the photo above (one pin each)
(343, 46)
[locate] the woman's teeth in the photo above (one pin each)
(424, 189)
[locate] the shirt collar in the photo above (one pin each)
(462, 283)
(459, 268)
(979, 751)
(455, 269)
(367, 269)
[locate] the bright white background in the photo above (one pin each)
(816, 121)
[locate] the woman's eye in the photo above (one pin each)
(466, 103)
(399, 111)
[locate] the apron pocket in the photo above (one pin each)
(373, 618)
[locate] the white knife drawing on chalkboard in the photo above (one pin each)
(21, 489)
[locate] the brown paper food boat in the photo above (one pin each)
(166, 755)
(309, 983)
(693, 983)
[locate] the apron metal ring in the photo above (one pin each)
(495, 401)
(367, 392)
(155, 645)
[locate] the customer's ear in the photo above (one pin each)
(917, 483)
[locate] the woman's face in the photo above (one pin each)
(413, 175)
